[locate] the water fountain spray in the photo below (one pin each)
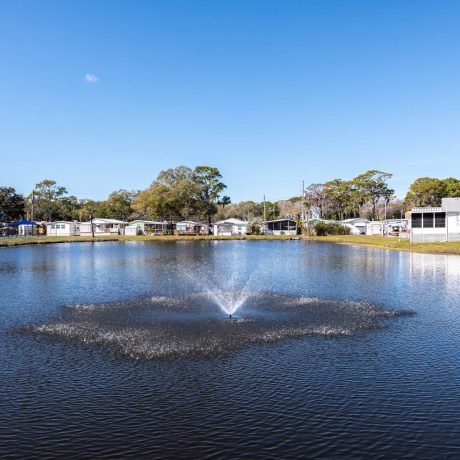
(229, 294)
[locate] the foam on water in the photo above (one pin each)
(191, 326)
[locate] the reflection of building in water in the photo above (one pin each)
(433, 265)
(436, 223)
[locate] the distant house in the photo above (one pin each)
(63, 228)
(357, 225)
(280, 227)
(146, 227)
(374, 228)
(190, 227)
(431, 224)
(25, 227)
(103, 227)
(230, 227)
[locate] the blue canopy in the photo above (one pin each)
(23, 222)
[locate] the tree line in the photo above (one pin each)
(368, 195)
(359, 197)
(197, 194)
(178, 193)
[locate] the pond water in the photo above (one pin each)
(128, 349)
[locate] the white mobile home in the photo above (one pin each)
(280, 227)
(374, 228)
(63, 228)
(357, 226)
(230, 227)
(432, 224)
(103, 227)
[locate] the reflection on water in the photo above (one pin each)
(322, 361)
(442, 265)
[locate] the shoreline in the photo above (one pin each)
(392, 243)
(376, 242)
(9, 242)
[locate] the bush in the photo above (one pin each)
(330, 228)
(254, 226)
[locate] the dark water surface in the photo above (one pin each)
(121, 349)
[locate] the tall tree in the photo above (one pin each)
(452, 187)
(374, 187)
(69, 208)
(338, 192)
(210, 188)
(11, 204)
(118, 205)
(47, 196)
(89, 209)
(426, 191)
(174, 195)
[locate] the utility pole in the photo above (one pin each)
(32, 207)
(265, 211)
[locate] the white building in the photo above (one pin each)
(432, 224)
(63, 228)
(146, 227)
(280, 227)
(374, 228)
(103, 227)
(230, 227)
(357, 226)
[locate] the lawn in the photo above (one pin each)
(402, 244)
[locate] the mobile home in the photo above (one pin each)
(146, 227)
(63, 228)
(358, 226)
(280, 227)
(103, 227)
(230, 227)
(431, 224)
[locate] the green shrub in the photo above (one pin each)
(330, 228)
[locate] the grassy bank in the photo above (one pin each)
(9, 242)
(393, 243)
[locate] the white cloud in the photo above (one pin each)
(91, 78)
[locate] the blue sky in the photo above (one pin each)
(270, 92)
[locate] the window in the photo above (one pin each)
(440, 220)
(416, 220)
(428, 220)
(287, 225)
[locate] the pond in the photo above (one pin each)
(128, 349)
